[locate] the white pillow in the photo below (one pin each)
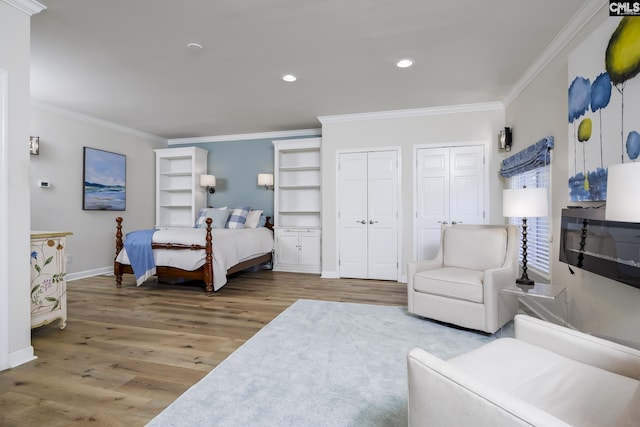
(253, 218)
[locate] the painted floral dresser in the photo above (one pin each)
(48, 282)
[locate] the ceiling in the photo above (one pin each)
(127, 62)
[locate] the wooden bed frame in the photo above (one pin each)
(204, 273)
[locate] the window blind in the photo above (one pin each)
(538, 227)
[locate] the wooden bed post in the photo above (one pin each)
(119, 245)
(208, 263)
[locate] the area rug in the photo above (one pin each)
(319, 363)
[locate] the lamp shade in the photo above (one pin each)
(207, 180)
(265, 179)
(525, 202)
(623, 201)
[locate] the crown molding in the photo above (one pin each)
(95, 121)
(416, 112)
(582, 17)
(30, 7)
(247, 136)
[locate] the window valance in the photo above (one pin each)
(532, 157)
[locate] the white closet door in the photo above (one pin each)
(368, 217)
(432, 166)
(450, 190)
(382, 221)
(352, 188)
(467, 185)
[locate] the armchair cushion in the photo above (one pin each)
(459, 283)
(470, 247)
(556, 384)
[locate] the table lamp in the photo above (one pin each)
(524, 203)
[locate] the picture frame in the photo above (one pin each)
(104, 180)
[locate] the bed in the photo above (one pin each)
(207, 254)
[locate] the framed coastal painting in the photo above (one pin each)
(104, 179)
(604, 104)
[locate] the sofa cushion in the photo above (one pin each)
(458, 283)
(474, 248)
(577, 393)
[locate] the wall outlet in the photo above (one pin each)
(69, 258)
(44, 184)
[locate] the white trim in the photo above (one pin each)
(4, 225)
(400, 252)
(247, 136)
(329, 275)
(30, 7)
(104, 271)
(417, 112)
(487, 206)
(559, 42)
(95, 121)
(21, 356)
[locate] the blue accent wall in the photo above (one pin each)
(236, 165)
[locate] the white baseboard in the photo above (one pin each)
(329, 275)
(89, 273)
(21, 356)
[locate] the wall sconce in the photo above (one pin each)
(208, 181)
(266, 179)
(34, 145)
(506, 139)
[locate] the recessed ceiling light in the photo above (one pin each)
(404, 63)
(289, 78)
(195, 47)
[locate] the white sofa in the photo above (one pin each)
(462, 284)
(547, 375)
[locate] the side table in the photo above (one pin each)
(542, 291)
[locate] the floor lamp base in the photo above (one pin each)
(525, 281)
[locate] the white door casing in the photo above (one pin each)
(368, 214)
(450, 189)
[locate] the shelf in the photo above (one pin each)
(186, 173)
(175, 206)
(176, 190)
(299, 168)
(299, 187)
(291, 211)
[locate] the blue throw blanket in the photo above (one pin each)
(138, 247)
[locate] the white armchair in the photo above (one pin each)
(462, 284)
(548, 376)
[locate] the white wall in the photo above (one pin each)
(432, 127)
(596, 304)
(59, 208)
(14, 59)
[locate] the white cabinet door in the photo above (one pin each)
(287, 248)
(368, 215)
(309, 250)
(450, 190)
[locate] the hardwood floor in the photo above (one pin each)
(127, 353)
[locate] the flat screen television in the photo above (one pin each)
(607, 248)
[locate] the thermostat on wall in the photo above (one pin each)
(44, 184)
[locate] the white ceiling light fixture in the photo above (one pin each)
(289, 78)
(195, 47)
(405, 63)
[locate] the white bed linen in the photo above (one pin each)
(229, 248)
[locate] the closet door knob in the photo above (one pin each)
(362, 221)
(372, 221)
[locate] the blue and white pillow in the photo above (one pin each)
(237, 218)
(218, 215)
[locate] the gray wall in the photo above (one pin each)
(59, 208)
